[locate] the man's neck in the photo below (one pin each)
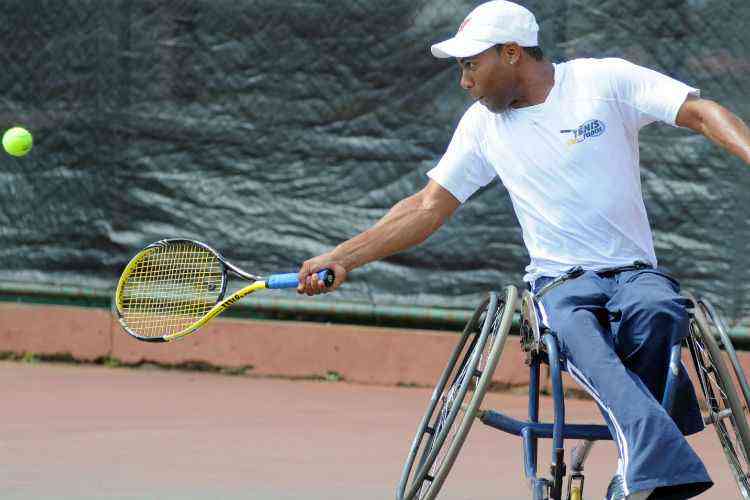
(536, 82)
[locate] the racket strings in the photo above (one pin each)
(169, 288)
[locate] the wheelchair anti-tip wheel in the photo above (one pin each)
(455, 401)
(724, 409)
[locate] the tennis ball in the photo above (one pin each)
(17, 141)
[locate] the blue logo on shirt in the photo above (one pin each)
(587, 130)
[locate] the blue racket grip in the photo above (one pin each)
(289, 280)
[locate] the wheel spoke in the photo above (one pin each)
(450, 397)
(456, 398)
(723, 410)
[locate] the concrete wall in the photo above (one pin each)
(362, 354)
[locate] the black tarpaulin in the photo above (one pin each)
(274, 130)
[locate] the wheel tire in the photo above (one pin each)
(721, 396)
(445, 432)
(726, 343)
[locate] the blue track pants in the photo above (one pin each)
(615, 331)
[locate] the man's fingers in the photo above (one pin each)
(305, 278)
(318, 285)
(309, 285)
(309, 282)
(302, 277)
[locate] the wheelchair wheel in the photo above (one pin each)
(455, 401)
(726, 344)
(724, 408)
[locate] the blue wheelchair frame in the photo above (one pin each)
(726, 408)
(541, 347)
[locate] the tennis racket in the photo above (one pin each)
(173, 287)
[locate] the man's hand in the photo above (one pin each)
(310, 284)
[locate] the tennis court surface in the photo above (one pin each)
(86, 432)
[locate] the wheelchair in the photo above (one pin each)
(724, 398)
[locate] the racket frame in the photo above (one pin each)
(221, 305)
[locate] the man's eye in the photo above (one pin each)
(468, 66)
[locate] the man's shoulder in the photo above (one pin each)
(591, 65)
(477, 111)
(475, 117)
(593, 77)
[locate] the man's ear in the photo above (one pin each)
(512, 52)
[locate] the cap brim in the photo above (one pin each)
(459, 47)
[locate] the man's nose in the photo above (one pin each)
(466, 82)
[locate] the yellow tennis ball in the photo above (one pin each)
(17, 141)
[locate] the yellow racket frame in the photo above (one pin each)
(217, 309)
(210, 276)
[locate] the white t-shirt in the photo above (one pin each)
(570, 164)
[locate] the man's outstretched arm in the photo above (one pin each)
(717, 123)
(407, 224)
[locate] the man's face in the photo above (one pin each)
(489, 79)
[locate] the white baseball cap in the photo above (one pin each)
(492, 23)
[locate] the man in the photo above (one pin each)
(563, 138)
